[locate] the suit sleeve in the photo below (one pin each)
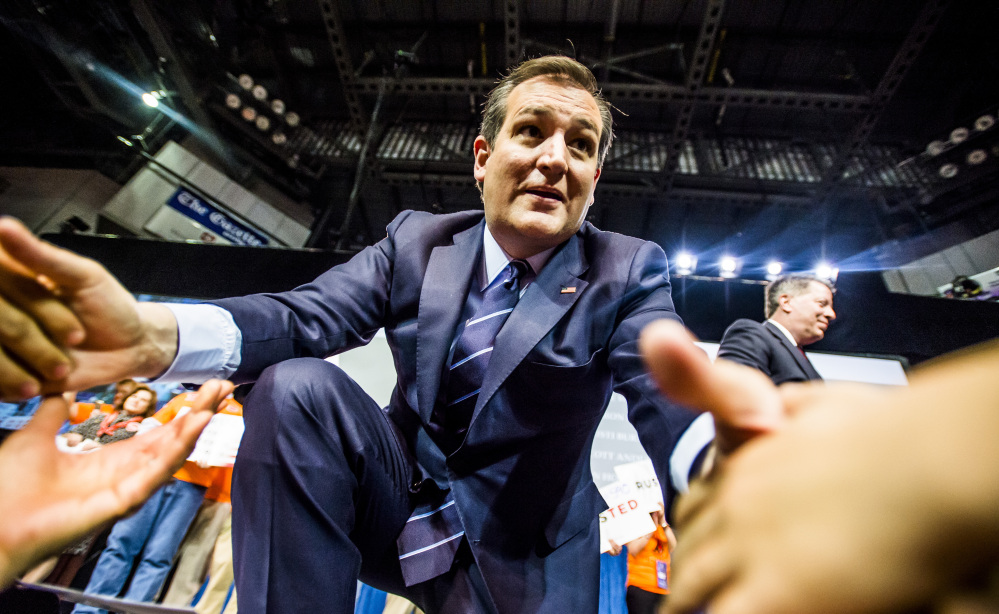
(660, 422)
(341, 309)
(743, 343)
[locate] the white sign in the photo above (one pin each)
(625, 519)
(219, 442)
(642, 477)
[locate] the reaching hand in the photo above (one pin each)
(49, 499)
(864, 500)
(67, 324)
(743, 401)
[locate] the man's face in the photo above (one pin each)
(808, 315)
(539, 175)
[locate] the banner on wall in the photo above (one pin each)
(185, 217)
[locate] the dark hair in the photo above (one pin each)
(560, 69)
(792, 285)
(150, 409)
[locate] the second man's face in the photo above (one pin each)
(539, 175)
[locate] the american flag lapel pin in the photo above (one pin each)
(568, 290)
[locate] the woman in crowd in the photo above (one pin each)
(121, 423)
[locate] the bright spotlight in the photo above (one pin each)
(826, 271)
(685, 263)
(774, 268)
(150, 99)
(728, 266)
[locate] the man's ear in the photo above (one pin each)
(481, 152)
(783, 301)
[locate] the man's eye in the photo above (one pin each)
(531, 131)
(583, 145)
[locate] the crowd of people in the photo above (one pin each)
(510, 326)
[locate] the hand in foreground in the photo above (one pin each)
(866, 500)
(49, 499)
(67, 324)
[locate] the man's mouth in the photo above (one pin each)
(546, 192)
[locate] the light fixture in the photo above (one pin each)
(249, 114)
(935, 148)
(958, 135)
(279, 138)
(263, 123)
(686, 263)
(774, 269)
(150, 99)
(246, 82)
(948, 171)
(277, 105)
(728, 266)
(984, 122)
(232, 101)
(824, 270)
(259, 92)
(977, 156)
(292, 118)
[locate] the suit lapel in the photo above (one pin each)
(796, 353)
(441, 303)
(539, 309)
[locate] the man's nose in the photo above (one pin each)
(830, 313)
(553, 155)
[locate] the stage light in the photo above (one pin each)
(977, 156)
(984, 122)
(958, 135)
(246, 82)
(259, 92)
(774, 268)
(249, 114)
(292, 118)
(150, 99)
(935, 148)
(686, 263)
(232, 101)
(279, 138)
(728, 266)
(948, 171)
(824, 270)
(277, 105)
(263, 123)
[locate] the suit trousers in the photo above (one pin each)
(323, 485)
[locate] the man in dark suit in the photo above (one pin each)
(799, 309)
(471, 491)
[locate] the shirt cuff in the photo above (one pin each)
(209, 344)
(698, 435)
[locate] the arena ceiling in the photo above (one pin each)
(796, 129)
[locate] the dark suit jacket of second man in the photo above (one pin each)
(764, 347)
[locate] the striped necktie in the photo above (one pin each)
(474, 348)
(430, 539)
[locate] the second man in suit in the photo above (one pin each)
(799, 310)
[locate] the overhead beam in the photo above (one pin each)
(651, 93)
(695, 79)
(338, 43)
(511, 32)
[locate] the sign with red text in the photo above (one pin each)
(625, 519)
(642, 476)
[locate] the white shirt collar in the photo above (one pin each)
(494, 260)
(786, 332)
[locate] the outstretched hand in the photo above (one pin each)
(49, 499)
(67, 324)
(862, 499)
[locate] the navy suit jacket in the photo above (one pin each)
(765, 347)
(521, 479)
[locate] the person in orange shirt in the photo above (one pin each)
(208, 533)
(152, 535)
(648, 568)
